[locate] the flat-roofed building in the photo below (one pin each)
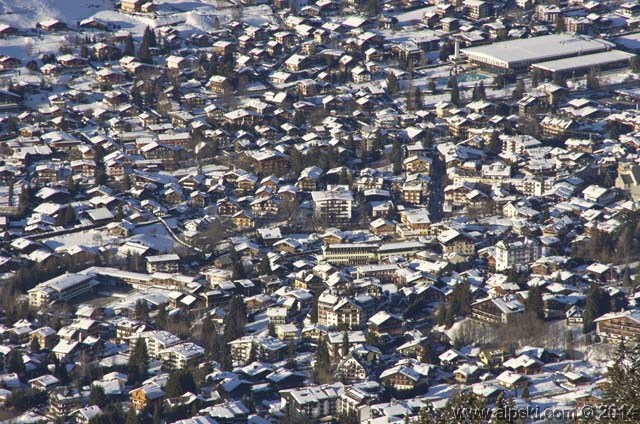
(62, 288)
(518, 55)
(182, 355)
(350, 253)
(163, 263)
(581, 65)
(332, 206)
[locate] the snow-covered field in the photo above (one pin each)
(89, 238)
(26, 13)
(187, 15)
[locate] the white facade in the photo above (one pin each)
(520, 252)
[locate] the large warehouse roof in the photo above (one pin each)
(537, 49)
(587, 61)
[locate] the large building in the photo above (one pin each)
(350, 253)
(518, 55)
(332, 206)
(312, 402)
(616, 327)
(62, 288)
(581, 65)
(518, 252)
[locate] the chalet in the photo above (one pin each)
(137, 6)
(220, 85)
(52, 25)
(8, 31)
(352, 369)
(497, 310)
(385, 323)
(453, 241)
(615, 327)
(524, 364)
(269, 161)
(224, 48)
(146, 396)
(71, 61)
(8, 62)
(467, 374)
(243, 219)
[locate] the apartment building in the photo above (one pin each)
(350, 253)
(182, 355)
(332, 206)
(169, 263)
(313, 402)
(157, 341)
(517, 252)
(616, 327)
(62, 288)
(336, 311)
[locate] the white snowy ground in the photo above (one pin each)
(188, 15)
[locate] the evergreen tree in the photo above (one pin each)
(162, 316)
(455, 90)
(626, 277)
(155, 419)
(61, 372)
(417, 98)
(464, 401)
(392, 84)
(68, 216)
(622, 388)
(634, 63)
(138, 362)
(449, 317)
(592, 80)
(519, 91)
(34, 346)
(534, 302)
(235, 319)
(97, 396)
(535, 78)
(428, 354)
(396, 157)
(265, 265)
(129, 49)
(144, 52)
(132, 417)
(482, 92)
(474, 93)
(313, 314)
(461, 299)
(236, 265)
(72, 186)
(597, 304)
(142, 310)
(446, 50)
(345, 344)
(322, 365)
(525, 391)
(180, 382)
(13, 361)
(431, 85)
(373, 7)
(153, 42)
